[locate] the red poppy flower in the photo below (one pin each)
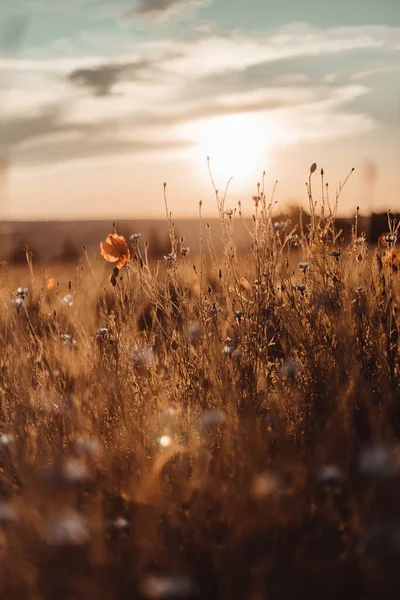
(115, 249)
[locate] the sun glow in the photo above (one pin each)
(238, 145)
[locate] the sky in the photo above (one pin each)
(102, 101)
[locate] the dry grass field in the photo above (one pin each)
(209, 425)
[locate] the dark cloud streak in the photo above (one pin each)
(162, 8)
(101, 80)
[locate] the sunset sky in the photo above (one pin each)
(101, 101)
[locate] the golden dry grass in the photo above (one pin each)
(210, 426)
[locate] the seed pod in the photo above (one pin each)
(313, 167)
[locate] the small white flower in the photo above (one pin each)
(119, 524)
(157, 587)
(17, 302)
(68, 341)
(303, 266)
(212, 418)
(21, 292)
(279, 225)
(90, 447)
(142, 357)
(135, 237)
(215, 309)
(68, 300)
(228, 348)
(7, 439)
(379, 462)
(170, 259)
(69, 529)
(330, 475)
(102, 332)
(293, 240)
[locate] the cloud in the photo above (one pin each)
(101, 80)
(140, 100)
(71, 149)
(161, 10)
(14, 131)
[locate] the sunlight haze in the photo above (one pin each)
(102, 102)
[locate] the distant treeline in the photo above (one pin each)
(51, 243)
(373, 225)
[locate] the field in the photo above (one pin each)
(211, 425)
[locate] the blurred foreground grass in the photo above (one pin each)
(210, 426)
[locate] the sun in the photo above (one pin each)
(237, 145)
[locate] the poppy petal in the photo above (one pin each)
(108, 252)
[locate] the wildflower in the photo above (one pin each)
(293, 240)
(68, 300)
(388, 239)
(17, 302)
(89, 447)
(7, 440)
(170, 259)
(74, 472)
(115, 249)
(21, 292)
(330, 475)
(119, 524)
(135, 237)
(185, 251)
(280, 225)
(142, 357)
(157, 587)
(214, 310)
(51, 283)
(300, 288)
(359, 241)
(379, 462)
(303, 266)
(171, 412)
(102, 332)
(68, 341)
(69, 529)
(212, 418)
(228, 348)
